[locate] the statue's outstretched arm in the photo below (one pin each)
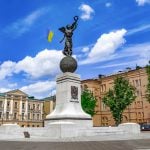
(74, 24)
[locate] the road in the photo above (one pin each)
(143, 144)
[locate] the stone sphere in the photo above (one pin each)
(68, 64)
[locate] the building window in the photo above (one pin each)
(38, 116)
(0, 115)
(23, 105)
(38, 106)
(7, 115)
(1, 104)
(143, 114)
(105, 121)
(33, 116)
(140, 81)
(28, 115)
(138, 93)
(16, 104)
(139, 114)
(29, 106)
(125, 118)
(22, 116)
(15, 115)
(133, 82)
(139, 104)
(137, 83)
(8, 104)
(33, 106)
(103, 87)
(103, 106)
(85, 87)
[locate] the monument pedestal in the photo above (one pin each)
(68, 108)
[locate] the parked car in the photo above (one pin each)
(145, 127)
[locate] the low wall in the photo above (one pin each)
(132, 128)
(56, 131)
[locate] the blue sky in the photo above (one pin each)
(111, 35)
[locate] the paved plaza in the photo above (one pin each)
(88, 145)
(107, 142)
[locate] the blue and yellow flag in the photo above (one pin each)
(50, 36)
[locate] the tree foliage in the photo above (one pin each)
(148, 84)
(119, 97)
(88, 102)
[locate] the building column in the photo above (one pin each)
(26, 110)
(51, 106)
(5, 107)
(11, 108)
(41, 117)
(20, 109)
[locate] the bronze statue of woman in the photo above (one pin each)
(68, 32)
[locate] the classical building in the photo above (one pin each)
(17, 107)
(138, 111)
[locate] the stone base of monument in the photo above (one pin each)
(69, 120)
(68, 103)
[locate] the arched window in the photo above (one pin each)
(125, 118)
(105, 121)
(85, 87)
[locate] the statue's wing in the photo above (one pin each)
(62, 29)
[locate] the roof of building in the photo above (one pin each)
(114, 74)
(16, 91)
(124, 71)
(50, 98)
(2, 94)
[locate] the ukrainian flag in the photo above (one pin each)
(50, 36)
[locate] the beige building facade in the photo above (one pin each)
(17, 107)
(49, 104)
(138, 111)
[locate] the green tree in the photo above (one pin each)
(88, 102)
(148, 84)
(119, 97)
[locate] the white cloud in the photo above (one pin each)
(40, 89)
(139, 29)
(85, 49)
(138, 54)
(6, 69)
(23, 25)
(3, 90)
(105, 46)
(108, 4)
(143, 2)
(87, 12)
(45, 63)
